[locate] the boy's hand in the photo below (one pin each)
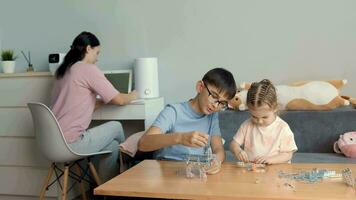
(194, 139)
(261, 160)
(215, 167)
(242, 155)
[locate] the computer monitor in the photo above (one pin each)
(120, 79)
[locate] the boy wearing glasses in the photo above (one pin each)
(189, 127)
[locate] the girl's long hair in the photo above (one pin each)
(77, 52)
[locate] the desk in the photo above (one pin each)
(159, 179)
(146, 110)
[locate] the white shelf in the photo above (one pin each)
(26, 74)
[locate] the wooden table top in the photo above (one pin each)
(164, 179)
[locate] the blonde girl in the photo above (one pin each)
(264, 137)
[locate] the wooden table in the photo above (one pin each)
(163, 179)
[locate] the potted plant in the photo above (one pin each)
(8, 61)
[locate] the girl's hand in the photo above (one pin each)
(242, 155)
(261, 160)
(215, 167)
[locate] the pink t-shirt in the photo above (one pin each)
(74, 97)
(265, 141)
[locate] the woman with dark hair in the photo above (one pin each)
(78, 82)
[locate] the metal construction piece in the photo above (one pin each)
(310, 176)
(347, 177)
(196, 165)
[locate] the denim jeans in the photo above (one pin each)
(107, 136)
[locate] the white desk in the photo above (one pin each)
(146, 110)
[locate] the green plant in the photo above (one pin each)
(8, 55)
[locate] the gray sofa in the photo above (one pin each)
(314, 132)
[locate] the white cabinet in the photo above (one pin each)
(22, 167)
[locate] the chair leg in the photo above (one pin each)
(82, 189)
(65, 182)
(95, 174)
(46, 181)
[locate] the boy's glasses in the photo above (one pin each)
(213, 99)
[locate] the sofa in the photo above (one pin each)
(314, 132)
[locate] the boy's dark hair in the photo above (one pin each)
(223, 80)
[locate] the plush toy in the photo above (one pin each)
(346, 144)
(353, 102)
(307, 95)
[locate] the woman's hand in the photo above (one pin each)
(133, 94)
(98, 104)
(123, 99)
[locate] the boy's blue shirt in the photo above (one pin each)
(181, 117)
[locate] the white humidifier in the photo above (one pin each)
(146, 77)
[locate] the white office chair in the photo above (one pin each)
(51, 142)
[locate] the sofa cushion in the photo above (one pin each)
(314, 131)
(321, 158)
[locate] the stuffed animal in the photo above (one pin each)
(346, 144)
(353, 102)
(307, 95)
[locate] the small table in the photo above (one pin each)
(163, 179)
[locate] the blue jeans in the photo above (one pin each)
(107, 136)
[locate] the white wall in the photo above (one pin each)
(283, 40)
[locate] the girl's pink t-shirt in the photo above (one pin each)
(265, 141)
(74, 98)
